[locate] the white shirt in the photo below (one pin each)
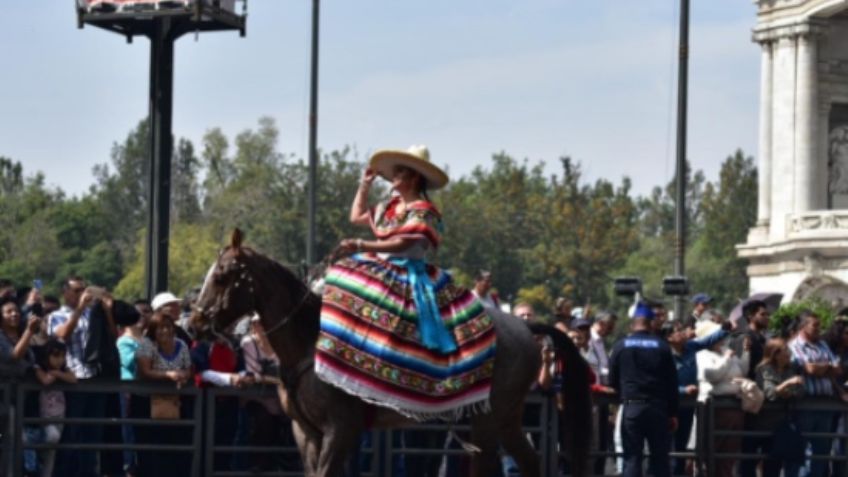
(716, 372)
(598, 358)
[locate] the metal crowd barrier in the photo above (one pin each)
(211, 449)
(799, 409)
(540, 426)
(381, 453)
(112, 388)
(7, 429)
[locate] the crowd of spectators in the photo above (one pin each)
(740, 363)
(86, 336)
(89, 337)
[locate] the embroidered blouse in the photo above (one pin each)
(416, 220)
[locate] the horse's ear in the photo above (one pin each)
(236, 239)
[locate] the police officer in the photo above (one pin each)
(643, 374)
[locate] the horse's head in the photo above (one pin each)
(228, 291)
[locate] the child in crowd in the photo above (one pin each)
(51, 368)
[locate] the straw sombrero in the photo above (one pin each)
(416, 158)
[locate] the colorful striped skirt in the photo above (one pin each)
(370, 345)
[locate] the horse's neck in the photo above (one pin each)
(293, 341)
(290, 311)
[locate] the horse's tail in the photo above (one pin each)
(576, 415)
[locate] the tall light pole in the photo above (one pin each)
(680, 179)
(313, 140)
(163, 25)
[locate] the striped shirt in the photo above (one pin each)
(805, 352)
(75, 342)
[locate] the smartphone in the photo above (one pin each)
(37, 284)
(97, 292)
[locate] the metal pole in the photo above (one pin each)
(682, 92)
(161, 147)
(313, 139)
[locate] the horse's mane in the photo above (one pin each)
(304, 305)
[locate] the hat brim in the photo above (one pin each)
(383, 162)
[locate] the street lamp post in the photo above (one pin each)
(313, 140)
(682, 92)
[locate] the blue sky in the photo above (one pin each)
(593, 79)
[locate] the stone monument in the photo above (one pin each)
(799, 245)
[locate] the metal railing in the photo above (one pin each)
(383, 452)
(7, 429)
(112, 388)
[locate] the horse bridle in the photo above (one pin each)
(247, 276)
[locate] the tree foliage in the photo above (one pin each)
(544, 232)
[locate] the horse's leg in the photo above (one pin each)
(336, 448)
(310, 449)
(484, 435)
(516, 445)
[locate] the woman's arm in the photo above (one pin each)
(44, 377)
(359, 208)
(145, 369)
(391, 245)
(22, 345)
(65, 375)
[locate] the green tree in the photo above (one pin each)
(729, 210)
(185, 190)
(192, 250)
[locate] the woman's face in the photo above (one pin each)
(11, 316)
(165, 334)
(404, 179)
(578, 338)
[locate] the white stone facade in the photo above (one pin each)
(799, 246)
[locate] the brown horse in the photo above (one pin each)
(327, 422)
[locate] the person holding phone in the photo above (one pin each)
(70, 324)
(16, 357)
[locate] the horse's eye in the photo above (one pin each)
(218, 278)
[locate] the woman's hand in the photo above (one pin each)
(368, 176)
(548, 355)
(794, 381)
(178, 376)
(350, 245)
(33, 324)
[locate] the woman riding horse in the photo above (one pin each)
(395, 330)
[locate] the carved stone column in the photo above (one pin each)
(806, 189)
(764, 174)
(783, 141)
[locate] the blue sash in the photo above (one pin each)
(434, 335)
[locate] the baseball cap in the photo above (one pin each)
(701, 298)
(162, 299)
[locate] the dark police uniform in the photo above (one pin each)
(643, 373)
